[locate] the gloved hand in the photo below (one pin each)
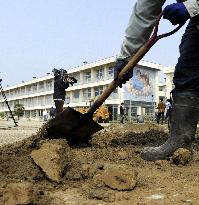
(176, 13)
(119, 65)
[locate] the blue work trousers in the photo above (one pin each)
(186, 75)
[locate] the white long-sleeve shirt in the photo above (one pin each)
(141, 23)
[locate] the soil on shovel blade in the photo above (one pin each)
(93, 174)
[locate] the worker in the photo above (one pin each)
(161, 109)
(168, 110)
(52, 112)
(185, 105)
(123, 113)
(45, 115)
(59, 91)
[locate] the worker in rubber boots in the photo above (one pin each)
(59, 91)
(186, 76)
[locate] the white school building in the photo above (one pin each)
(139, 94)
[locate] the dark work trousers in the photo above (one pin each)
(186, 75)
(123, 117)
(168, 114)
(59, 104)
(160, 117)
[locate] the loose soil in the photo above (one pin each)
(160, 182)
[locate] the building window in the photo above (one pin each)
(149, 110)
(114, 94)
(68, 97)
(16, 92)
(87, 76)
(161, 88)
(41, 85)
(11, 103)
(76, 76)
(68, 94)
(49, 84)
(134, 111)
(87, 94)
(7, 93)
(28, 101)
(100, 74)
(33, 113)
(23, 90)
(115, 91)
(28, 88)
(34, 102)
(27, 114)
(110, 72)
(98, 91)
(34, 87)
(48, 99)
(40, 101)
(11, 93)
(76, 94)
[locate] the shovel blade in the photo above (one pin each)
(72, 125)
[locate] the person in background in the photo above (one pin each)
(161, 110)
(168, 109)
(59, 91)
(122, 113)
(45, 115)
(52, 112)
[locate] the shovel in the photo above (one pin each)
(76, 127)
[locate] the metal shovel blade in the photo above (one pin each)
(72, 125)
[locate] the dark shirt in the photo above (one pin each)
(122, 110)
(59, 89)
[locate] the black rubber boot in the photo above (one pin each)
(184, 119)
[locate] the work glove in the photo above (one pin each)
(119, 65)
(176, 13)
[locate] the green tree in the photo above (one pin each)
(19, 110)
(2, 114)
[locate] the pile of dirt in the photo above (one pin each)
(112, 149)
(16, 162)
(130, 134)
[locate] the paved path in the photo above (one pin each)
(9, 133)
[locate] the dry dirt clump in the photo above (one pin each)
(181, 156)
(109, 171)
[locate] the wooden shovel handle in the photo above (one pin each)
(131, 64)
(114, 84)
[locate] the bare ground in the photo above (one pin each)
(160, 182)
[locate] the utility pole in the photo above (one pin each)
(153, 105)
(165, 89)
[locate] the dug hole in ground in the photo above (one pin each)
(34, 170)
